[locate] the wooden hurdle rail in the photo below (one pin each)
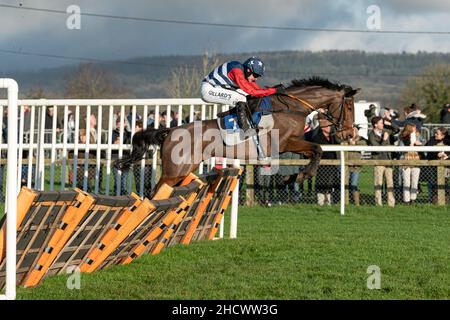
(57, 231)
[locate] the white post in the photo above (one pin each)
(234, 206)
(98, 165)
(342, 153)
(40, 161)
(31, 149)
(222, 221)
(64, 151)
(20, 142)
(11, 192)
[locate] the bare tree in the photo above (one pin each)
(90, 81)
(431, 90)
(36, 93)
(185, 81)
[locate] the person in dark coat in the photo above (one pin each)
(120, 180)
(327, 178)
(445, 114)
(441, 137)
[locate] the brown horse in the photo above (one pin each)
(289, 113)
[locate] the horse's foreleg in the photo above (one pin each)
(311, 150)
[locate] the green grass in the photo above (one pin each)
(288, 252)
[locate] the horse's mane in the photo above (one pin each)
(318, 81)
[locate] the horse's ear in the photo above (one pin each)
(352, 92)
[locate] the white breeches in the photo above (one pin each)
(221, 95)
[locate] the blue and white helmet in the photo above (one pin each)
(255, 65)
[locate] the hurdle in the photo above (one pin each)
(78, 233)
(11, 193)
(60, 230)
(37, 228)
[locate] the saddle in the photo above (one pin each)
(262, 118)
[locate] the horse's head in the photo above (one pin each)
(341, 113)
(337, 99)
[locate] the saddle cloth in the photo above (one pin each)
(229, 128)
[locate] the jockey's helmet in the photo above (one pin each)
(255, 66)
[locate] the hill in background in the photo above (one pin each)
(381, 76)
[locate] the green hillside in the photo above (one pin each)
(381, 76)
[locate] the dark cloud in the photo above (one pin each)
(121, 39)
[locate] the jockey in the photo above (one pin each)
(231, 82)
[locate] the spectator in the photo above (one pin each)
(26, 139)
(129, 125)
(120, 180)
(371, 112)
(441, 137)
(327, 176)
(70, 126)
(288, 192)
(410, 174)
(197, 117)
(48, 126)
(413, 115)
(26, 118)
(445, 114)
(81, 158)
(355, 170)
(390, 117)
(49, 116)
(151, 119)
(176, 116)
(94, 139)
(118, 126)
(93, 128)
(147, 170)
(312, 123)
(171, 120)
(263, 185)
(379, 137)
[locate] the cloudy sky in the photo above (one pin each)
(36, 32)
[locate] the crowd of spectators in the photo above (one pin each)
(394, 183)
(272, 188)
(122, 182)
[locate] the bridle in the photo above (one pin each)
(338, 125)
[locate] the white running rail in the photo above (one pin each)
(11, 193)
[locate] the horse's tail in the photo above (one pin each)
(141, 142)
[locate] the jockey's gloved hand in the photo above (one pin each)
(280, 89)
(279, 86)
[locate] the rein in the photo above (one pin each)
(336, 123)
(306, 103)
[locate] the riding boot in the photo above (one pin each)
(241, 112)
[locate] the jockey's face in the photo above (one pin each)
(251, 78)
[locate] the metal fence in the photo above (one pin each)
(344, 181)
(421, 182)
(429, 128)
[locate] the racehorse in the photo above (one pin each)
(289, 111)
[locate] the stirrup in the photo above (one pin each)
(250, 132)
(264, 159)
(244, 134)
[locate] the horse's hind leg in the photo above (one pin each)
(311, 150)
